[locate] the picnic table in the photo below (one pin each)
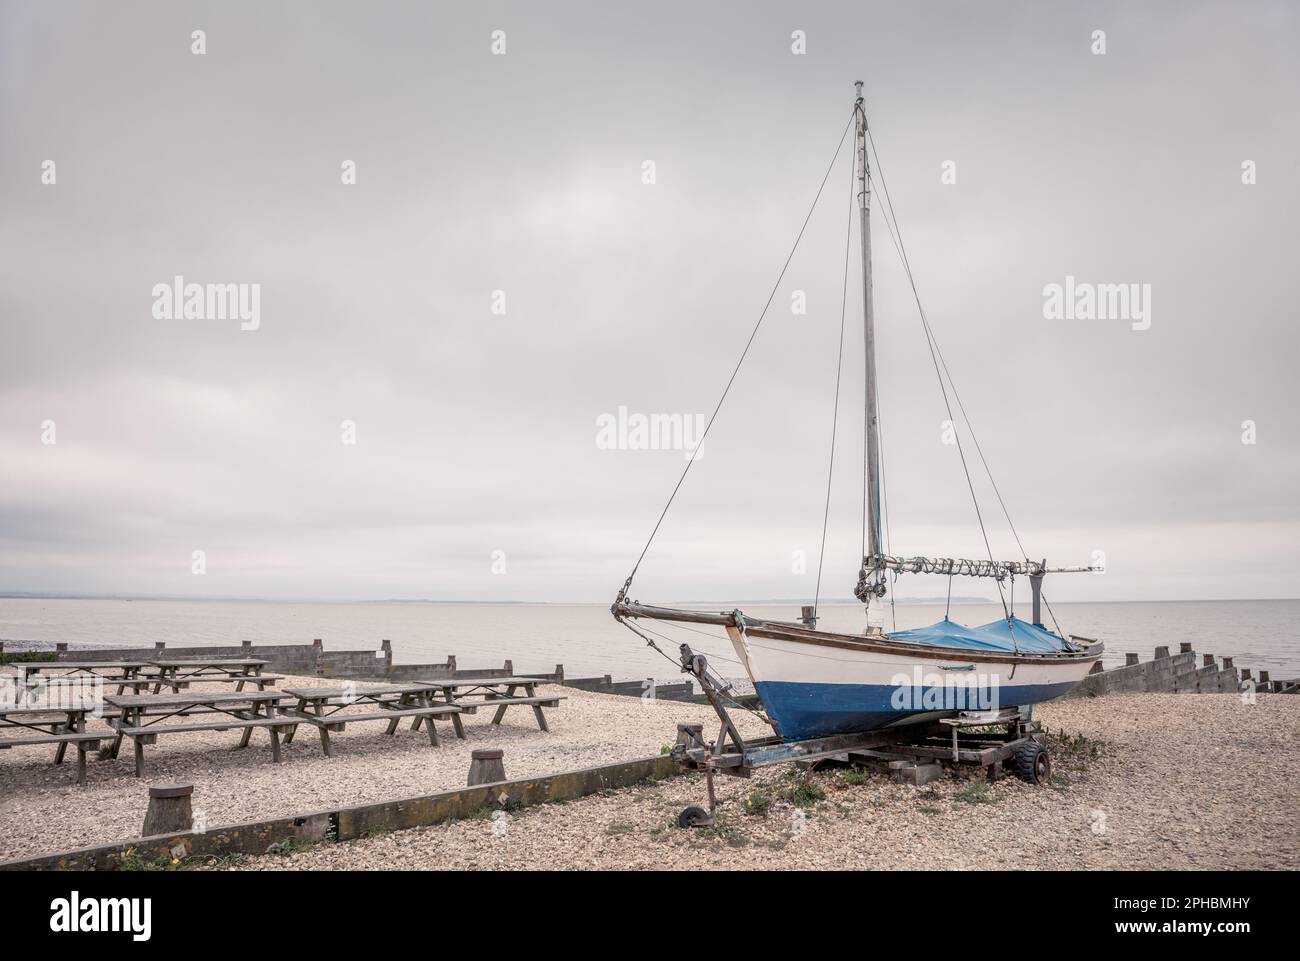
(175, 672)
(122, 673)
(322, 706)
(496, 691)
(140, 717)
(58, 725)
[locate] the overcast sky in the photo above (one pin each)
(523, 172)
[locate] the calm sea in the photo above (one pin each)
(584, 638)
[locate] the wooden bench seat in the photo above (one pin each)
(337, 722)
(218, 678)
(233, 723)
(72, 737)
(82, 741)
(535, 702)
(184, 681)
(148, 734)
(331, 720)
(539, 701)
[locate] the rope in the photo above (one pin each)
(839, 370)
(749, 343)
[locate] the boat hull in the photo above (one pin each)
(815, 685)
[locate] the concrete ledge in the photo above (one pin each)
(349, 823)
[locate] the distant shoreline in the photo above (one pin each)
(764, 602)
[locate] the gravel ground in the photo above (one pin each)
(43, 810)
(1143, 781)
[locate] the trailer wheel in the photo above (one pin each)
(693, 817)
(1032, 763)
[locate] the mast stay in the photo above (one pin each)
(876, 562)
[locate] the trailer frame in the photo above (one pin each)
(915, 751)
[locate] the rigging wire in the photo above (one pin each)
(839, 371)
(743, 354)
(722, 691)
(884, 513)
(895, 234)
(961, 406)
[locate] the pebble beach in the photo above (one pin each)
(1143, 780)
(45, 810)
(1159, 781)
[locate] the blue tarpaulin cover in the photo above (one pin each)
(994, 636)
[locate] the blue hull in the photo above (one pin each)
(803, 711)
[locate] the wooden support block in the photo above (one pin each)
(486, 766)
(169, 809)
(690, 735)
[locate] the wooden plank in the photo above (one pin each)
(233, 723)
(37, 667)
(317, 693)
(455, 682)
(207, 661)
(506, 701)
(193, 699)
(73, 738)
(439, 711)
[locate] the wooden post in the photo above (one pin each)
(169, 809)
(1207, 660)
(1130, 660)
(486, 766)
(1162, 652)
(692, 735)
(1227, 664)
(1185, 647)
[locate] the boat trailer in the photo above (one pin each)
(1002, 742)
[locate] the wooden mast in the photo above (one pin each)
(868, 320)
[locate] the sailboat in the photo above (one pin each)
(814, 683)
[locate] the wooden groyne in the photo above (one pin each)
(1183, 673)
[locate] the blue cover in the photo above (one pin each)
(1000, 635)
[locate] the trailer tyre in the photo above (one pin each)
(1033, 764)
(693, 817)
